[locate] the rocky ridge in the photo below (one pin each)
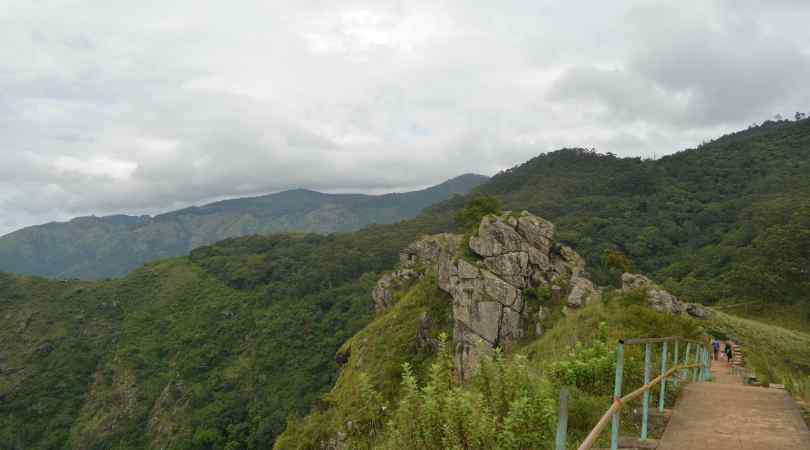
(489, 276)
(659, 299)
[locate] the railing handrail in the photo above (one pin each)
(657, 340)
(617, 405)
(701, 361)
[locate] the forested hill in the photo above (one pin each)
(100, 247)
(730, 218)
(214, 350)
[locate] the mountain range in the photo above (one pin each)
(100, 247)
(227, 346)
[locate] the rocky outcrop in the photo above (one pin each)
(429, 250)
(582, 292)
(657, 298)
(424, 253)
(383, 292)
(697, 311)
(491, 277)
(661, 300)
(486, 280)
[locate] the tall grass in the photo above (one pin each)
(776, 354)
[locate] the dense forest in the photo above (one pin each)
(216, 349)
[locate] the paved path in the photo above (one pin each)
(725, 414)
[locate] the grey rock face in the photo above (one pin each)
(582, 292)
(512, 267)
(495, 237)
(514, 252)
(657, 298)
(428, 249)
(537, 231)
(383, 292)
(697, 311)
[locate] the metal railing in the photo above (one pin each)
(691, 364)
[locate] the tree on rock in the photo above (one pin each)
(475, 209)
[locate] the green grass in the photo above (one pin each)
(776, 354)
(795, 316)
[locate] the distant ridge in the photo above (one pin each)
(111, 246)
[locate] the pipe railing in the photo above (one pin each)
(695, 367)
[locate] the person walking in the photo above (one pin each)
(729, 352)
(715, 348)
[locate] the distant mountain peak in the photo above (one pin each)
(99, 247)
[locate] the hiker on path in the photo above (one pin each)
(729, 352)
(715, 348)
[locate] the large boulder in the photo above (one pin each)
(582, 292)
(697, 311)
(657, 298)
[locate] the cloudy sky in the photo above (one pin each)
(120, 106)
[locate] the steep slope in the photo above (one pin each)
(100, 247)
(204, 351)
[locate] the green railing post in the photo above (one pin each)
(692, 370)
(707, 361)
(562, 420)
(675, 363)
(646, 407)
(663, 379)
(703, 365)
(617, 395)
(685, 372)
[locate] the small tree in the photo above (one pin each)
(614, 259)
(476, 208)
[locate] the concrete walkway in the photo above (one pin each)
(725, 414)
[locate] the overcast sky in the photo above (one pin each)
(143, 106)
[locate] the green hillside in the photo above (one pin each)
(101, 247)
(191, 352)
(727, 220)
(216, 349)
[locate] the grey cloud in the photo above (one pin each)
(107, 108)
(624, 96)
(729, 71)
(691, 68)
